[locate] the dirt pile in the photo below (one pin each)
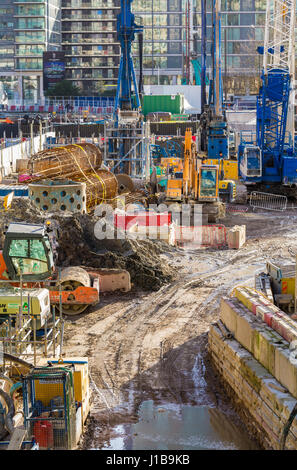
(78, 245)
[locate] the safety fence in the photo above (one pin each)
(205, 236)
(60, 108)
(267, 201)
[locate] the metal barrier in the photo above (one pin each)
(236, 208)
(202, 236)
(270, 202)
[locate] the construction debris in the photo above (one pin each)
(77, 245)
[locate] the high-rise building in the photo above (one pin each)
(242, 31)
(163, 40)
(172, 38)
(90, 44)
(27, 29)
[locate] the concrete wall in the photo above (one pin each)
(9, 155)
(256, 364)
(263, 403)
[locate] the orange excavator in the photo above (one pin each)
(28, 259)
(198, 183)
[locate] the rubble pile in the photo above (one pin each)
(78, 246)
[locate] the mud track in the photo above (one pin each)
(154, 345)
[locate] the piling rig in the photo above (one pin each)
(268, 160)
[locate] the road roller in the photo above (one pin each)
(28, 259)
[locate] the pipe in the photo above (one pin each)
(14, 388)
(10, 412)
(12, 358)
(8, 379)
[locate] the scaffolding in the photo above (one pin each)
(22, 336)
(127, 148)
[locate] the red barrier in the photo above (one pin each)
(144, 219)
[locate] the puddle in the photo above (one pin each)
(179, 427)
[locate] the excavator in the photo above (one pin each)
(198, 183)
(28, 260)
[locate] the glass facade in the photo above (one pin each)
(89, 41)
(27, 29)
(163, 46)
(165, 39)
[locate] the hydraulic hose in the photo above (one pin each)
(140, 52)
(287, 427)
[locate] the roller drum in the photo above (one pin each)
(70, 279)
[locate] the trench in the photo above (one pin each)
(206, 421)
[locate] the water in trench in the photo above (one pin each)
(172, 426)
(179, 427)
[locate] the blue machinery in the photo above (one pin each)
(126, 97)
(268, 159)
(214, 127)
(127, 135)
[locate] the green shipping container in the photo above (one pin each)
(163, 103)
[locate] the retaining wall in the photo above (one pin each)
(256, 364)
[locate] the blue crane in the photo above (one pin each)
(268, 159)
(213, 125)
(127, 95)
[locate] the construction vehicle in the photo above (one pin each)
(28, 260)
(214, 131)
(198, 183)
(267, 159)
(278, 283)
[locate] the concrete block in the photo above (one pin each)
(236, 237)
(285, 371)
(244, 331)
(228, 315)
(253, 372)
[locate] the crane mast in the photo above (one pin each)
(279, 47)
(127, 95)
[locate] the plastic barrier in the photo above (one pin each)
(145, 219)
(203, 235)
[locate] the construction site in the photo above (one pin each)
(148, 295)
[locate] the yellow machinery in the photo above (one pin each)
(279, 282)
(199, 183)
(229, 167)
(56, 402)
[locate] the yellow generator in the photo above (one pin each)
(33, 302)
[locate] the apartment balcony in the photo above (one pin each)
(90, 41)
(91, 54)
(89, 18)
(92, 4)
(89, 30)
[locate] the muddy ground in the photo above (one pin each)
(153, 345)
